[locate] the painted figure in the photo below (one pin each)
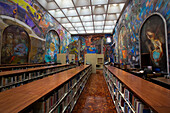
(157, 51)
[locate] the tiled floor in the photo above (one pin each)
(95, 97)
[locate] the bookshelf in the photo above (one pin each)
(100, 61)
(15, 78)
(19, 67)
(56, 93)
(91, 59)
(135, 95)
(71, 56)
(97, 61)
(61, 58)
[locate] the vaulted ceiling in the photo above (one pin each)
(85, 16)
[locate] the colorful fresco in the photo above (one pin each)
(52, 46)
(107, 50)
(73, 47)
(133, 17)
(123, 45)
(153, 41)
(29, 15)
(37, 52)
(82, 48)
(93, 44)
(15, 45)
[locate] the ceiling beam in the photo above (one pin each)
(106, 15)
(64, 15)
(92, 15)
(79, 16)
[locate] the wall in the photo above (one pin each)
(127, 37)
(73, 47)
(37, 23)
(90, 44)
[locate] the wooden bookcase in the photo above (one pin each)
(91, 59)
(71, 56)
(135, 95)
(97, 61)
(15, 78)
(56, 93)
(61, 58)
(100, 61)
(19, 67)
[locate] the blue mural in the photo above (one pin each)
(52, 46)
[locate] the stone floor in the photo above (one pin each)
(95, 97)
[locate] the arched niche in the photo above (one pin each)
(15, 45)
(52, 46)
(153, 43)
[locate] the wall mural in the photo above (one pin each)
(73, 47)
(52, 46)
(93, 44)
(82, 48)
(123, 45)
(15, 45)
(29, 15)
(153, 41)
(133, 17)
(107, 50)
(37, 53)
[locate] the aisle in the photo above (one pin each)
(95, 97)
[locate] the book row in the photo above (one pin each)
(17, 79)
(124, 99)
(64, 98)
(9, 68)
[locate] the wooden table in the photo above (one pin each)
(17, 99)
(162, 81)
(155, 96)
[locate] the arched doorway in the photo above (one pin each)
(153, 43)
(52, 46)
(15, 45)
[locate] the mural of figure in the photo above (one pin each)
(52, 46)
(157, 51)
(153, 42)
(123, 45)
(15, 45)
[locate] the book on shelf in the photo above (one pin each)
(40, 107)
(60, 108)
(126, 94)
(130, 97)
(141, 108)
(47, 104)
(122, 101)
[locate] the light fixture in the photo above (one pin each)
(108, 40)
(115, 4)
